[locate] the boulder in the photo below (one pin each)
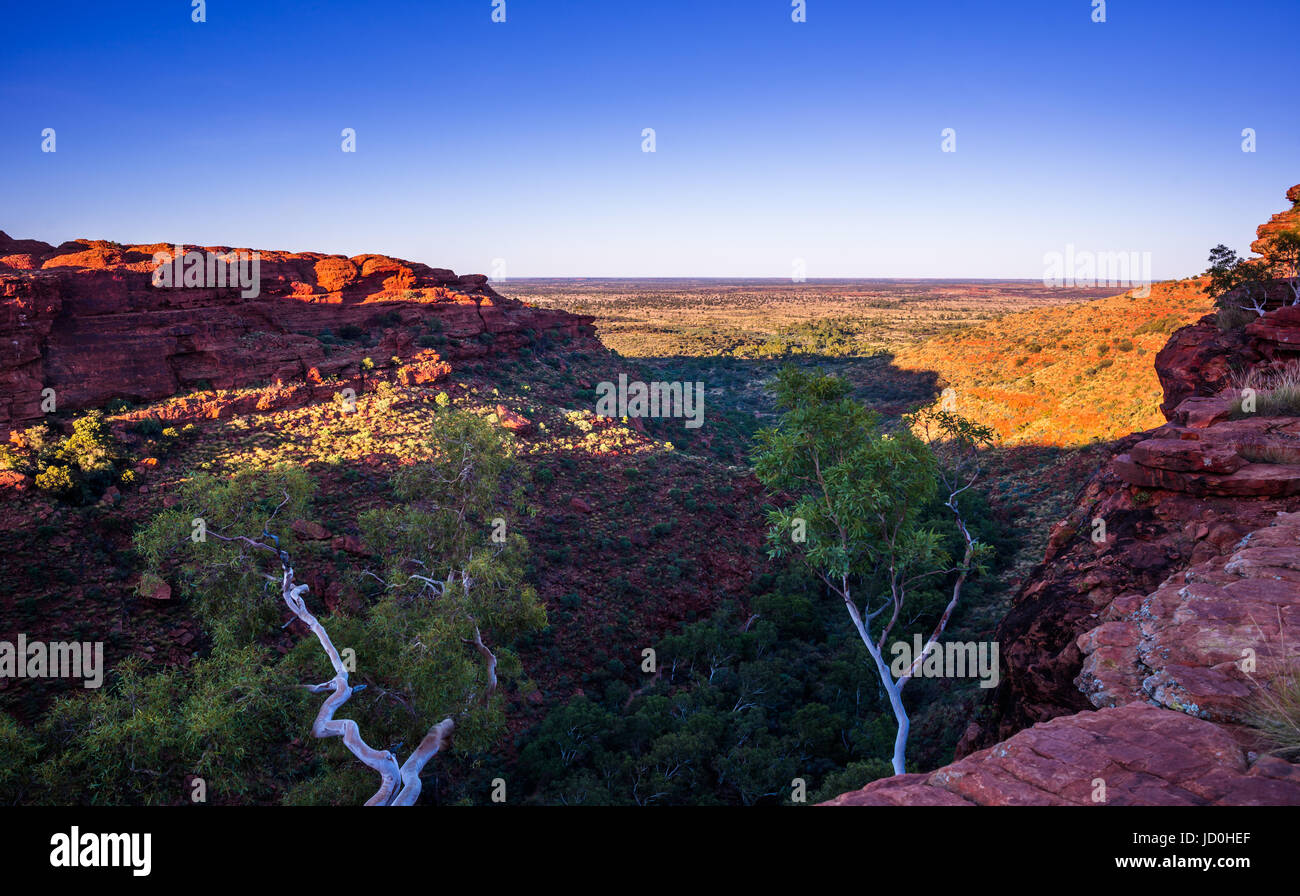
(1131, 755)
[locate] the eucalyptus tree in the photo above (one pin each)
(853, 506)
(444, 597)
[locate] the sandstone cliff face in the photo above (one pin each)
(1122, 656)
(86, 320)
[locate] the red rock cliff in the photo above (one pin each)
(86, 320)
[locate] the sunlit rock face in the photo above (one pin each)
(94, 321)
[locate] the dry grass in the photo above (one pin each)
(1277, 392)
(1275, 714)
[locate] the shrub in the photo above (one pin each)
(91, 447)
(18, 751)
(1231, 317)
(57, 479)
(149, 427)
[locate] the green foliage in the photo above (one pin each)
(1159, 325)
(1274, 712)
(57, 479)
(149, 427)
(860, 511)
(91, 448)
(443, 579)
(858, 492)
(18, 750)
(735, 717)
(1241, 286)
(76, 468)
(228, 719)
(224, 580)
(828, 337)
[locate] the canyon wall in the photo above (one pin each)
(86, 320)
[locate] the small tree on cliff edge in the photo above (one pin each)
(1233, 279)
(857, 517)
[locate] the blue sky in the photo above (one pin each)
(775, 141)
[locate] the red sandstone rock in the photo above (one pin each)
(309, 530)
(86, 320)
(1197, 362)
(1187, 455)
(1140, 754)
(12, 482)
(1183, 646)
(1288, 220)
(1281, 328)
(512, 421)
(581, 505)
(350, 544)
(1252, 480)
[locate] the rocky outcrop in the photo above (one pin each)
(1196, 362)
(1215, 456)
(1122, 540)
(86, 320)
(1171, 498)
(1209, 637)
(1282, 222)
(1133, 755)
(1166, 608)
(1175, 673)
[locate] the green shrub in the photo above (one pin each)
(149, 427)
(57, 479)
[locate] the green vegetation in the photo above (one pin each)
(77, 468)
(234, 716)
(738, 711)
(858, 514)
(1245, 288)
(1275, 393)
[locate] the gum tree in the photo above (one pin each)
(853, 510)
(449, 583)
(1233, 279)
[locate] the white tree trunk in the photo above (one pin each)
(398, 786)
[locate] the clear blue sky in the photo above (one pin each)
(775, 140)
